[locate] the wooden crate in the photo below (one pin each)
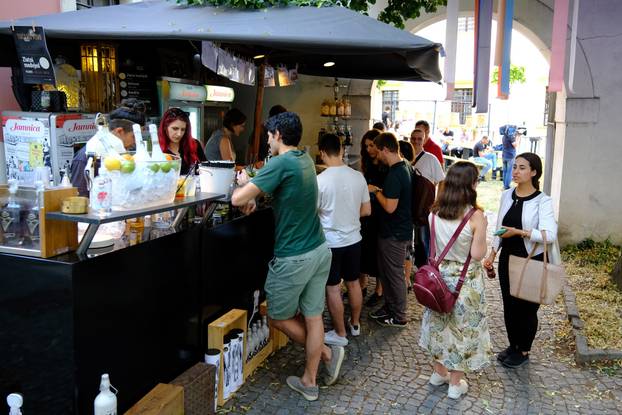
(277, 337)
(216, 330)
(164, 399)
(198, 384)
(57, 237)
(251, 365)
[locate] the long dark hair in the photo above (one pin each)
(365, 158)
(535, 163)
(457, 191)
(187, 145)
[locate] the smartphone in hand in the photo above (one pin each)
(500, 232)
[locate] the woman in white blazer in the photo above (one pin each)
(524, 212)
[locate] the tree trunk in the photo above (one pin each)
(616, 274)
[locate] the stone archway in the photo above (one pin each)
(582, 137)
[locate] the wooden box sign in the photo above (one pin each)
(56, 237)
(198, 384)
(217, 329)
(164, 399)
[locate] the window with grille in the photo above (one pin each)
(390, 104)
(466, 24)
(461, 102)
(87, 4)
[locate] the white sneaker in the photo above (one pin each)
(438, 380)
(354, 330)
(456, 391)
(332, 338)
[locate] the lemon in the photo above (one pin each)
(112, 163)
(128, 166)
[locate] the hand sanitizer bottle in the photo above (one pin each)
(106, 401)
(15, 402)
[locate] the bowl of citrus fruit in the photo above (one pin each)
(140, 183)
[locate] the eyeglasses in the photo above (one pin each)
(178, 112)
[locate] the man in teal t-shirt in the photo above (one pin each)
(298, 272)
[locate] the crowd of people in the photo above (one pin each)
(347, 225)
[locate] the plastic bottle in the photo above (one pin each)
(15, 401)
(156, 151)
(106, 402)
(10, 218)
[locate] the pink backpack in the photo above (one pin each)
(429, 287)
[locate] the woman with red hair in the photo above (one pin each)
(175, 138)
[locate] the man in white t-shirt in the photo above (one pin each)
(430, 168)
(427, 164)
(342, 199)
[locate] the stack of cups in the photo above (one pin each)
(212, 357)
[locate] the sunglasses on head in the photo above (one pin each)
(177, 112)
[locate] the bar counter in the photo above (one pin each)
(138, 313)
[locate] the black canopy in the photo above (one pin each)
(360, 46)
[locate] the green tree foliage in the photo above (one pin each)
(517, 75)
(396, 12)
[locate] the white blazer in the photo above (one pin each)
(538, 216)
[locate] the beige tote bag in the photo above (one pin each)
(535, 281)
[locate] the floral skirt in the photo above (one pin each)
(459, 340)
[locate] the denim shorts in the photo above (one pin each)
(298, 283)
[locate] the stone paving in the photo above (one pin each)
(386, 372)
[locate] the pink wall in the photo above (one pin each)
(16, 10)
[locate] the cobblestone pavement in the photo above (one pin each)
(386, 372)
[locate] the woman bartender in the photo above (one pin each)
(220, 144)
(175, 137)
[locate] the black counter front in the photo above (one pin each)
(137, 313)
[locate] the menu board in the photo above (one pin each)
(136, 82)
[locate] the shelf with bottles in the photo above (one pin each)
(25, 230)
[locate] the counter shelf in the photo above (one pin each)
(94, 220)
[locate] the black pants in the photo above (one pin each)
(521, 317)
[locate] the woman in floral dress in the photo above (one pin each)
(459, 342)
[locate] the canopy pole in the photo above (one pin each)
(258, 110)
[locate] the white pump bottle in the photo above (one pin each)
(106, 401)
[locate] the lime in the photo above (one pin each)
(175, 164)
(128, 166)
(154, 167)
(166, 167)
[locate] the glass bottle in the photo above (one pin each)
(101, 195)
(10, 218)
(31, 225)
(156, 151)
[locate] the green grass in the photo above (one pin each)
(489, 194)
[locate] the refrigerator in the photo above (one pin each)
(42, 139)
(205, 104)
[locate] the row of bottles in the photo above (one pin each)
(105, 402)
(336, 108)
(19, 218)
(258, 338)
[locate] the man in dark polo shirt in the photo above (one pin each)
(395, 233)
(297, 275)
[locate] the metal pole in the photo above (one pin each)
(434, 118)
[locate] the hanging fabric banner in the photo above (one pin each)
(504, 70)
(33, 55)
(499, 45)
(573, 45)
(451, 40)
(481, 82)
(558, 45)
(209, 55)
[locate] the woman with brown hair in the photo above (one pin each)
(375, 173)
(459, 341)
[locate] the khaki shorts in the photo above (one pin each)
(298, 283)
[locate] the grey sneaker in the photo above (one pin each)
(310, 393)
(332, 338)
(333, 367)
